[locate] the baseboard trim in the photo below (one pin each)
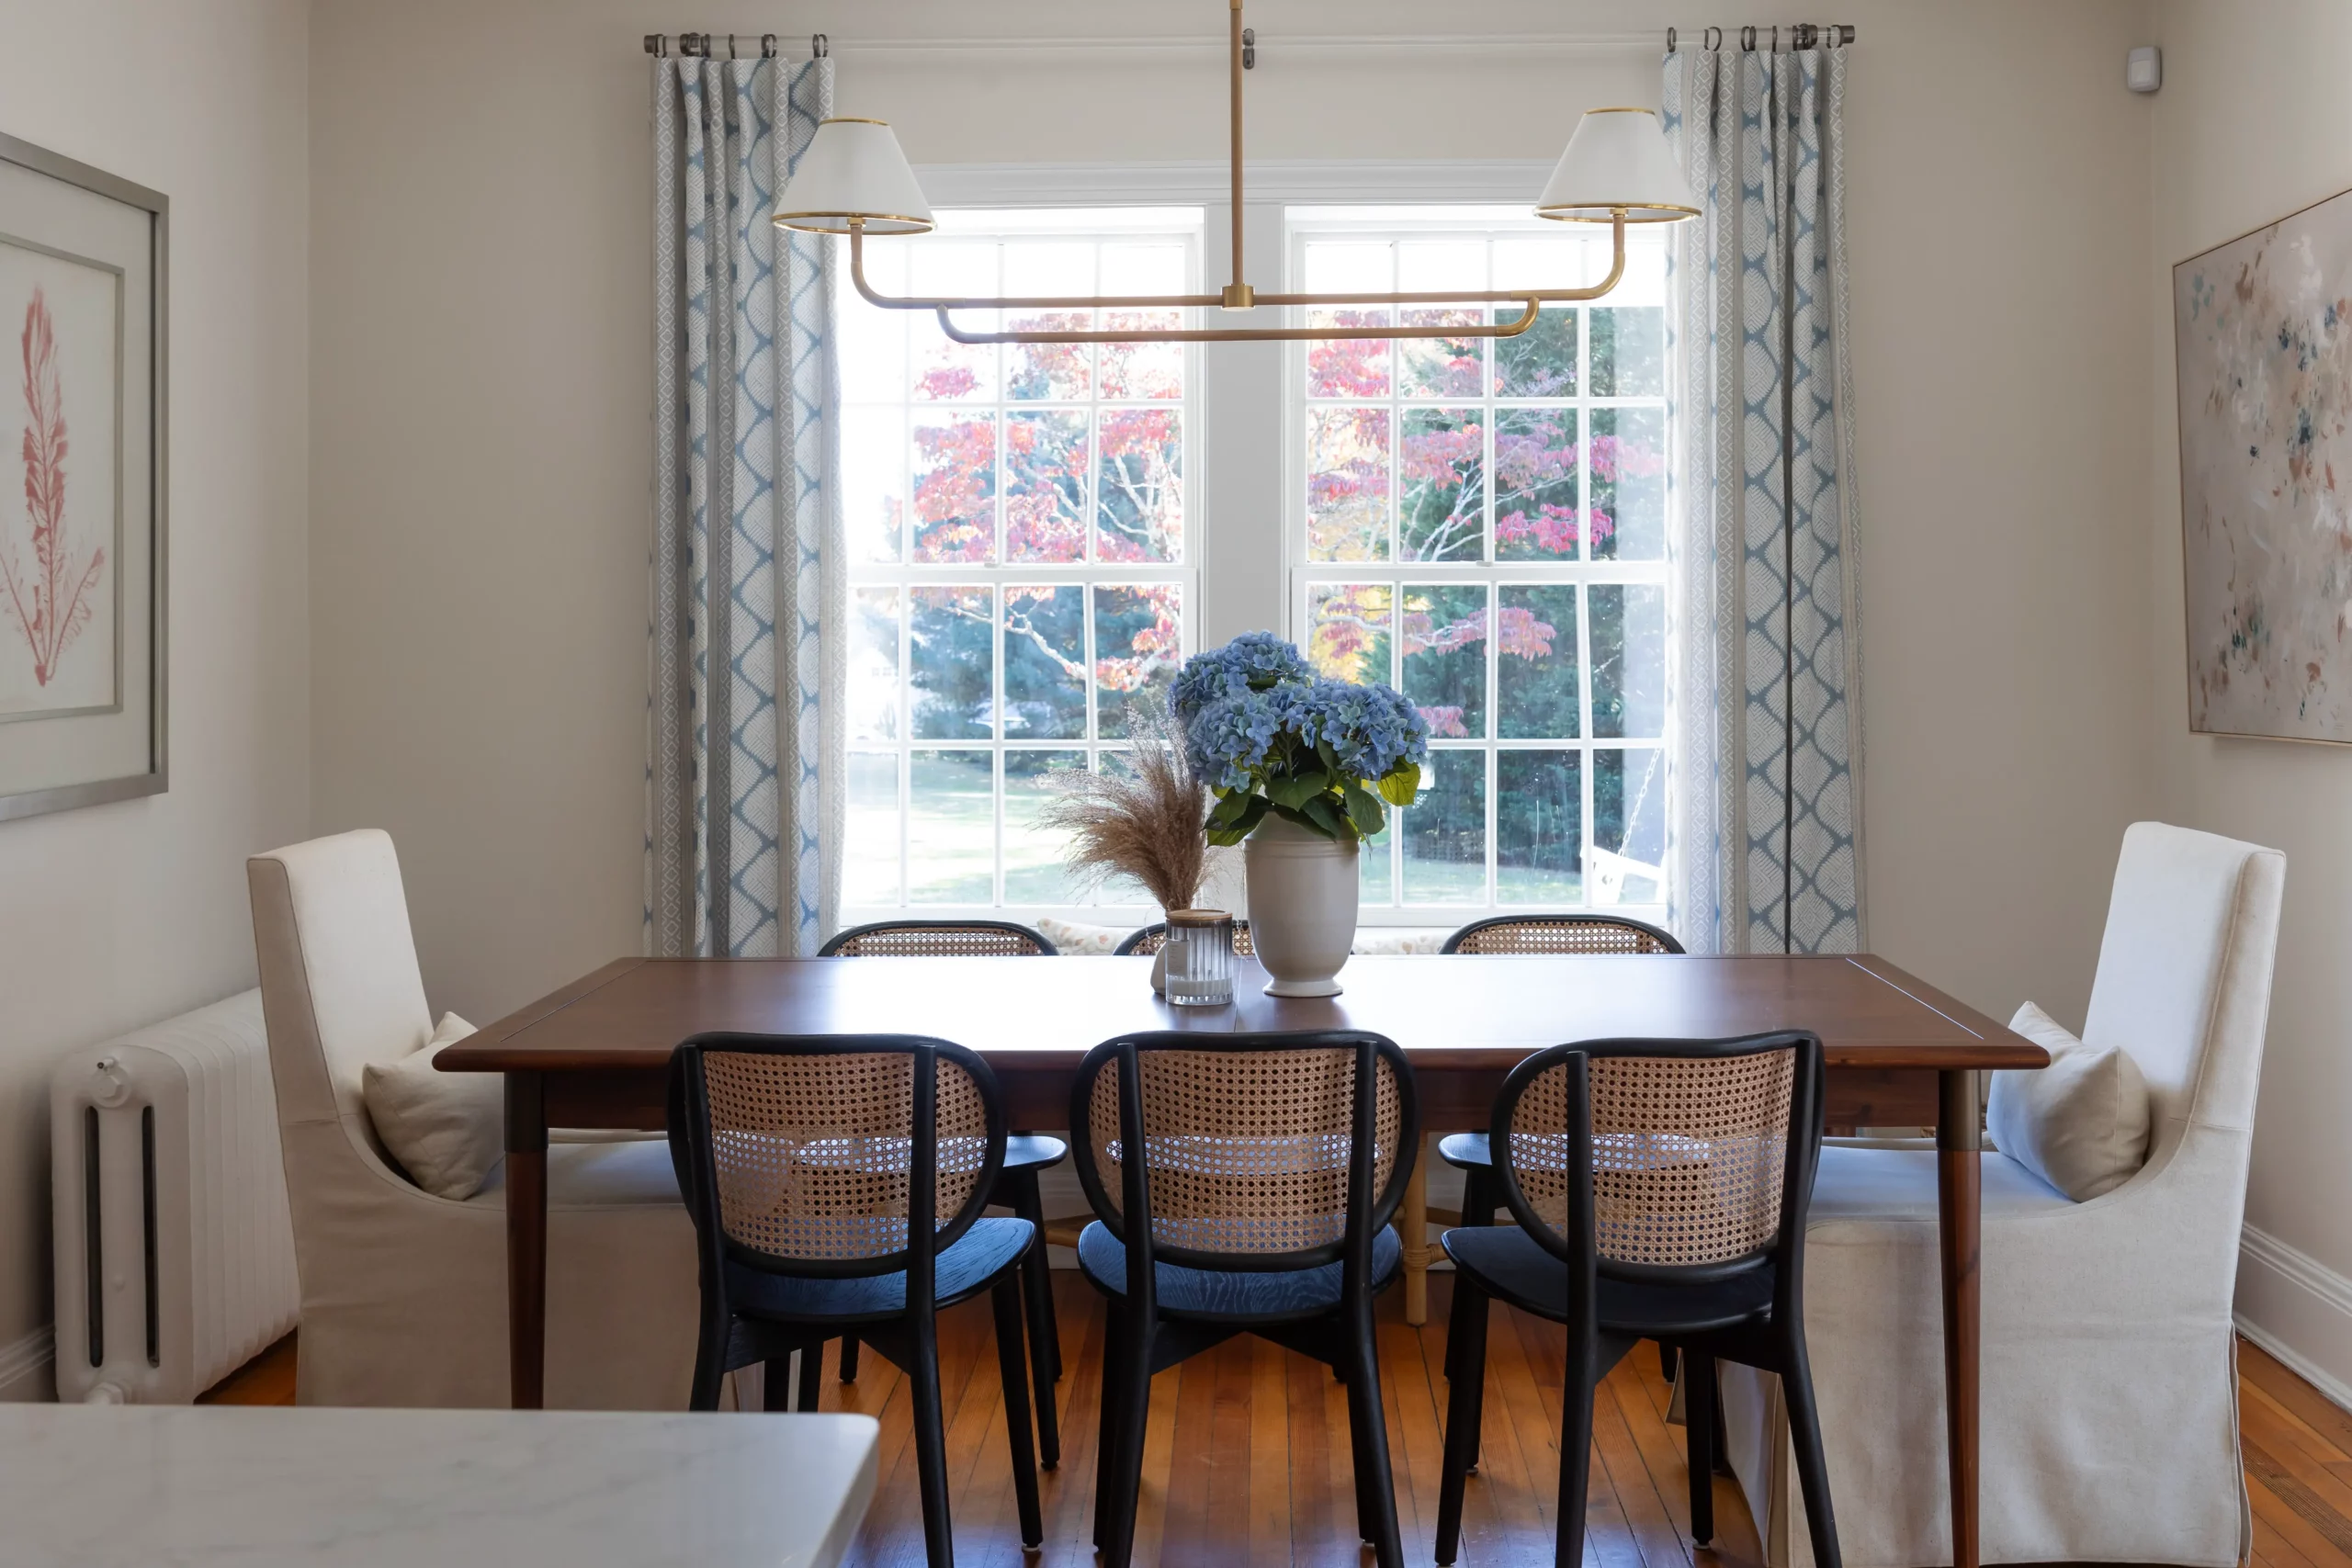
(2322, 1287)
(27, 1368)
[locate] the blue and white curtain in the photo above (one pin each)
(1769, 830)
(743, 800)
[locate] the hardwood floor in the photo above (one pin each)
(267, 1379)
(1246, 1464)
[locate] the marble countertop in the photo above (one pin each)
(85, 1486)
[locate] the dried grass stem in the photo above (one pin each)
(1146, 824)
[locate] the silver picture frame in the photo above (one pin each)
(154, 778)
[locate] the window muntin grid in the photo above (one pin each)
(1485, 527)
(1018, 519)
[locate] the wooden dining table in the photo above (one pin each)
(595, 1055)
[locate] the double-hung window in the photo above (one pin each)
(1019, 520)
(1483, 523)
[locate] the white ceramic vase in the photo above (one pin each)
(1302, 906)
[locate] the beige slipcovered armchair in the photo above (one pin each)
(2109, 1392)
(404, 1293)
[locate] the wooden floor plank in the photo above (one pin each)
(1247, 1461)
(1322, 1529)
(267, 1379)
(1270, 1457)
(2263, 1370)
(2282, 1538)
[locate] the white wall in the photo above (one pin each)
(479, 183)
(2253, 123)
(118, 915)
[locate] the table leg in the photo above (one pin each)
(1414, 1222)
(527, 1240)
(1959, 1202)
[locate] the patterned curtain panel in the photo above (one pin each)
(1768, 823)
(743, 790)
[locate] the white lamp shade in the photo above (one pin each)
(1618, 158)
(853, 169)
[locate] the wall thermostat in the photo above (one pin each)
(2143, 69)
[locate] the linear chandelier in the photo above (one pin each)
(853, 179)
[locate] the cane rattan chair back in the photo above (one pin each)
(822, 1156)
(938, 938)
(1560, 933)
(1251, 1156)
(1701, 1153)
(1151, 939)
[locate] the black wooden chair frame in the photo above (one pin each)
(1015, 1188)
(1143, 1338)
(909, 1339)
(833, 945)
(1480, 1196)
(1602, 1328)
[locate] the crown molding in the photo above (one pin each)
(1336, 180)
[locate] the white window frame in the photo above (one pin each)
(1003, 218)
(1301, 223)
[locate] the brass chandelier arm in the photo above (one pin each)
(1238, 295)
(1528, 296)
(1511, 328)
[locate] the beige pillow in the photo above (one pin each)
(1071, 939)
(2080, 1123)
(446, 1129)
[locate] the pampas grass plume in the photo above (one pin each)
(1145, 823)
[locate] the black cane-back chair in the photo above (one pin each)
(1244, 1184)
(1660, 1188)
(1025, 1154)
(837, 1184)
(1523, 934)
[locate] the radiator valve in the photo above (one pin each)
(114, 1084)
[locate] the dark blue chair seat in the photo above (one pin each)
(1513, 1266)
(963, 1270)
(1033, 1151)
(1466, 1151)
(1233, 1296)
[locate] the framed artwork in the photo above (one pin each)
(82, 276)
(2262, 332)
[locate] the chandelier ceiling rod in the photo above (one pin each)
(857, 182)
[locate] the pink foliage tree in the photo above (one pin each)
(52, 606)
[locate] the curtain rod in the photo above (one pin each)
(705, 46)
(697, 46)
(1801, 35)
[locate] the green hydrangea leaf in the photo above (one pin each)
(1237, 828)
(1399, 787)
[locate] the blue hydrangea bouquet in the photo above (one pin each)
(1267, 735)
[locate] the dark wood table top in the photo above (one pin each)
(1470, 1014)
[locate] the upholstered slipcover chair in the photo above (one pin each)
(2110, 1404)
(403, 1293)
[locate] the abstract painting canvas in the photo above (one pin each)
(2263, 338)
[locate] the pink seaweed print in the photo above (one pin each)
(52, 605)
